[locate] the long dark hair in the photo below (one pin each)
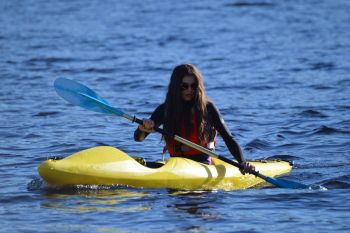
(178, 113)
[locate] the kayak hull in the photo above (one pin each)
(105, 165)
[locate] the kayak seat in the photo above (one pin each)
(143, 162)
(140, 160)
(154, 164)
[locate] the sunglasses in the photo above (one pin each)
(185, 86)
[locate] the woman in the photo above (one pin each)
(187, 112)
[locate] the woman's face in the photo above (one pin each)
(188, 88)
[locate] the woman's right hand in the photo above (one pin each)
(246, 168)
(147, 126)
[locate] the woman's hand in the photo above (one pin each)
(147, 126)
(246, 168)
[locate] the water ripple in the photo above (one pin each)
(325, 130)
(45, 114)
(342, 182)
(313, 113)
(328, 66)
(244, 4)
(257, 144)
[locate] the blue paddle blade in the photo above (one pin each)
(281, 183)
(80, 95)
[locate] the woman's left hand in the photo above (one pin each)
(246, 168)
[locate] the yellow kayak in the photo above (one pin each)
(105, 165)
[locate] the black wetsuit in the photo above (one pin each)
(214, 119)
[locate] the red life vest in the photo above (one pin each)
(177, 149)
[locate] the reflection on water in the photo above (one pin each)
(199, 204)
(199, 209)
(93, 198)
(187, 209)
(83, 227)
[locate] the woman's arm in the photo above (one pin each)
(157, 117)
(225, 133)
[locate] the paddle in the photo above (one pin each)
(83, 96)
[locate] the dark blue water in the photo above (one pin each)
(277, 70)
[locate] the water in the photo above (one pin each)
(277, 70)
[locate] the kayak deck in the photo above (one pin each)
(105, 165)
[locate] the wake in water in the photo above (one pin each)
(38, 184)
